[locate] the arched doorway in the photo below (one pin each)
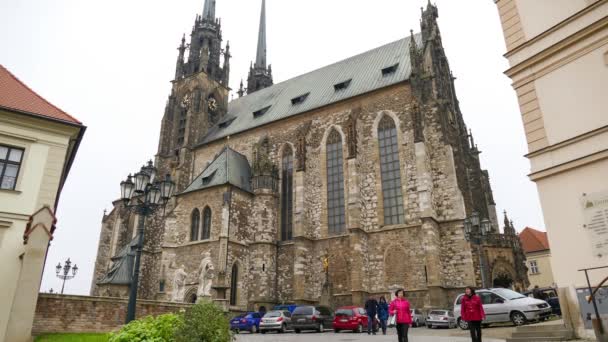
(503, 280)
(503, 273)
(191, 296)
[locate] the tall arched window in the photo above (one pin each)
(206, 224)
(287, 194)
(391, 173)
(233, 284)
(195, 222)
(335, 184)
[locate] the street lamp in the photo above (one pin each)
(64, 272)
(141, 194)
(476, 232)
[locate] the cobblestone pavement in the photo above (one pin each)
(415, 335)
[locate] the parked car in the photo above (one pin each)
(352, 318)
(504, 305)
(249, 321)
(549, 295)
(310, 317)
(441, 318)
(418, 318)
(276, 320)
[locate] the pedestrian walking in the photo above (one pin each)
(383, 313)
(371, 307)
(471, 310)
(400, 307)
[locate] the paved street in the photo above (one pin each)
(416, 335)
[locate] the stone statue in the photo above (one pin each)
(207, 274)
(179, 285)
(325, 260)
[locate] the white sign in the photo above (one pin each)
(595, 211)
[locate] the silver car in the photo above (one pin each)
(504, 305)
(418, 318)
(441, 318)
(278, 320)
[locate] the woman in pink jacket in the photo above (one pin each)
(401, 308)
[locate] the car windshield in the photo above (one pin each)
(273, 314)
(438, 313)
(249, 316)
(344, 312)
(303, 310)
(509, 294)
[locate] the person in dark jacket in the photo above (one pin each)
(383, 313)
(371, 307)
(471, 311)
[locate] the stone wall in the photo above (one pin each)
(66, 314)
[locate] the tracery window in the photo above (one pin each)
(206, 234)
(195, 222)
(335, 184)
(390, 172)
(287, 194)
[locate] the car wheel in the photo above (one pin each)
(462, 324)
(262, 331)
(320, 328)
(254, 329)
(359, 329)
(518, 318)
(336, 330)
(430, 326)
(297, 331)
(282, 330)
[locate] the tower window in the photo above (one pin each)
(299, 99)
(390, 70)
(260, 112)
(342, 86)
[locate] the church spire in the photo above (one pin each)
(260, 74)
(209, 10)
(260, 61)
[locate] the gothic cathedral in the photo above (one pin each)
(351, 180)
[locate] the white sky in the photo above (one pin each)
(109, 64)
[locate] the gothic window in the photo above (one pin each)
(195, 222)
(181, 128)
(335, 184)
(206, 224)
(233, 284)
(287, 194)
(390, 172)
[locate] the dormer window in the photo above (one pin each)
(260, 112)
(226, 122)
(299, 99)
(342, 85)
(208, 179)
(389, 70)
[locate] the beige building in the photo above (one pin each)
(538, 257)
(38, 143)
(558, 55)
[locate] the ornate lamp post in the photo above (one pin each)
(144, 197)
(476, 232)
(64, 272)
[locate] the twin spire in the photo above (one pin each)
(260, 60)
(209, 10)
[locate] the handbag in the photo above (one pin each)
(392, 320)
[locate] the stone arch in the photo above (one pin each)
(191, 296)
(380, 116)
(502, 273)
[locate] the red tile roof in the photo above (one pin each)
(15, 95)
(533, 240)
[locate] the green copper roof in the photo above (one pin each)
(228, 167)
(122, 266)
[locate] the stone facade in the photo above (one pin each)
(427, 254)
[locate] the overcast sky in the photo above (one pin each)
(109, 64)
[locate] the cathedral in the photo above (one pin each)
(351, 180)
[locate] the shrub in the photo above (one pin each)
(149, 329)
(204, 322)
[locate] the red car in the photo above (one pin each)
(352, 318)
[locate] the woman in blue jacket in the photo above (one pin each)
(383, 313)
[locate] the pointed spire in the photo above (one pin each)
(241, 91)
(260, 61)
(506, 220)
(209, 10)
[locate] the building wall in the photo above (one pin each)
(560, 73)
(45, 145)
(544, 277)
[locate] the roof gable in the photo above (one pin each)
(363, 72)
(533, 240)
(15, 95)
(228, 167)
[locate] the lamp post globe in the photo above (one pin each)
(126, 189)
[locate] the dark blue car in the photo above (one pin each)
(249, 321)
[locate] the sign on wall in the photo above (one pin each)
(595, 212)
